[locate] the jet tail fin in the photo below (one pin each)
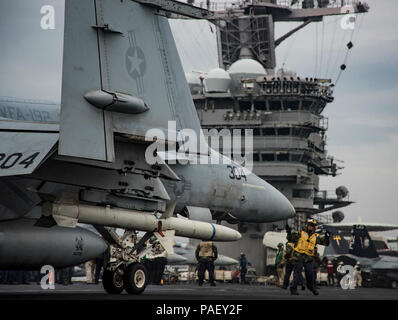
(338, 245)
(129, 79)
(361, 244)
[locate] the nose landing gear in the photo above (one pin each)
(124, 270)
(113, 281)
(135, 278)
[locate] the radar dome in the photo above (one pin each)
(247, 66)
(244, 69)
(341, 192)
(217, 80)
(337, 216)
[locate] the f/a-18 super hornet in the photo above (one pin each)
(121, 78)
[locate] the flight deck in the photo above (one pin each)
(223, 291)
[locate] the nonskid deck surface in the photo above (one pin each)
(191, 292)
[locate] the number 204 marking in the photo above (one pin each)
(7, 162)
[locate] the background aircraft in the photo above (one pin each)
(376, 269)
(350, 242)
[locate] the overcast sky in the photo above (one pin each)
(30, 56)
(363, 126)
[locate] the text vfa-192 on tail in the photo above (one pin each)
(121, 76)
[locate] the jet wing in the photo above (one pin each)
(371, 227)
(386, 263)
(24, 145)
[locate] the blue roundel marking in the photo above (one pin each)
(214, 231)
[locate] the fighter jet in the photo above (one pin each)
(380, 243)
(122, 80)
(47, 111)
(375, 268)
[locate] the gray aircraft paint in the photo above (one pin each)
(25, 151)
(57, 246)
(100, 37)
(216, 189)
(29, 110)
(119, 60)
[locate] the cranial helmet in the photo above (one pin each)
(312, 222)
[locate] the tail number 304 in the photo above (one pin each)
(236, 173)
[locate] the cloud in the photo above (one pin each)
(30, 57)
(371, 175)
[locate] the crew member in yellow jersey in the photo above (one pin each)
(303, 252)
(206, 253)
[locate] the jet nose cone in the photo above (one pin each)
(264, 203)
(285, 209)
(290, 211)
(278, 207)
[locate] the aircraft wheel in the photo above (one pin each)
(135, 278)
(112, 281)
(394, 284)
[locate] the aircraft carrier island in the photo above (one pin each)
(284, 109)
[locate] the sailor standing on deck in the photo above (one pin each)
(330, 269)
(289, 262)
(304, 249)
(157, 260)
(243, 264)
(206, 253)
(279, 265)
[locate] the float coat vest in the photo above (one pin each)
(206, 249)
(306, 244)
